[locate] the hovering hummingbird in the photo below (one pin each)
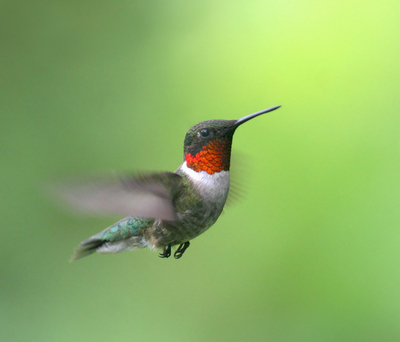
(164, 209)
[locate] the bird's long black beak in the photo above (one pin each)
(251, 116)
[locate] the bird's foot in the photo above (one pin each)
(181, 249)
(166, 252)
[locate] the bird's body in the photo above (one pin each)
(169, 208)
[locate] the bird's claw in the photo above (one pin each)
(166, 252)
(181, 249)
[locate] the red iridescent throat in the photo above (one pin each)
(214, 157)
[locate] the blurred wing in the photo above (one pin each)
(147, 195)
(239, 175)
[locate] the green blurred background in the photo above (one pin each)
(311, 253)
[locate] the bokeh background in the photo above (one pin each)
(310, 253)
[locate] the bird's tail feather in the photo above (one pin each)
(102, 246)
(121, 236)
(86, 248)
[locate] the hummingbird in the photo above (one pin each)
(164, 209)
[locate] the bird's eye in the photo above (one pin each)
(205, 132)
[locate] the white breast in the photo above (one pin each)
(215, 187)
